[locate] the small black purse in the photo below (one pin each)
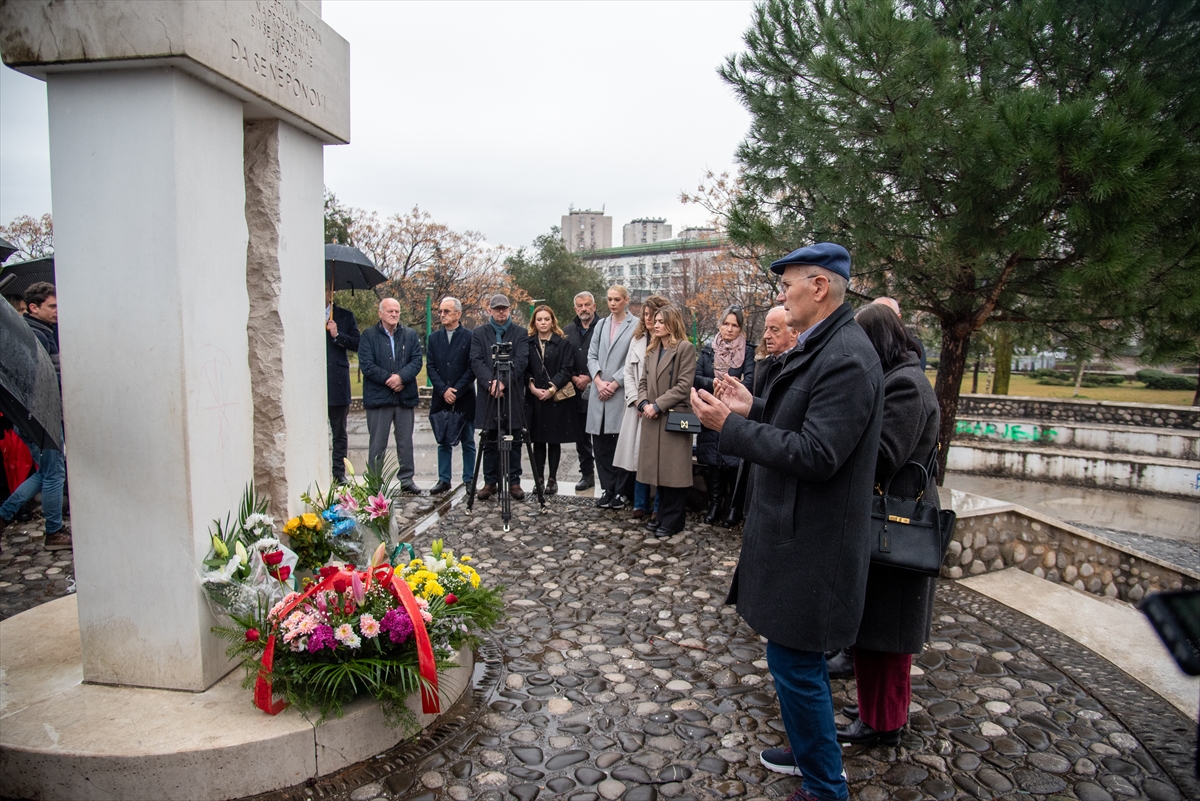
(910, 533)
(682, 422)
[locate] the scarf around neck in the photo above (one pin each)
(728, 355)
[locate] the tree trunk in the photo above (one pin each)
(952, 364)
(1004, 351)
(1196, 397)
(975, 376)
(1079, 376)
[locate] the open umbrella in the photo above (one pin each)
(6, 249)
(17, 277)
(349, 268)
(29, 393)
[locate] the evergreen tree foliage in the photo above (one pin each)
(1028, 161)
(555, 275)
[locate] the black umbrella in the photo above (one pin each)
(7, 249)
(17, 277)
(349, 268)
(29, 393)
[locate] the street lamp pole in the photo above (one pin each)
(428, 328)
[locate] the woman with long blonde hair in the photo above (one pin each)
(629, 441)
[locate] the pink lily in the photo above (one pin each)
(378, 506)
(346, 503)
(356, 588)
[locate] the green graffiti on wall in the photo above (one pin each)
(1012, 432)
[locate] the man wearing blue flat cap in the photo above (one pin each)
(812, 440)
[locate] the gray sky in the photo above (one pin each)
(497, 116)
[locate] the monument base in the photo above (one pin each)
(63, 739)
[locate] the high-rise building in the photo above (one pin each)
(645, 231)
(586, 230)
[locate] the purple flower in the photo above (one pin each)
(397, 624)
(322, 637)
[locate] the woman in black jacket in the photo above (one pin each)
(898, 612)
(551, 364)
(727, 354)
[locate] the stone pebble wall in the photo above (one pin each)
(1004, 407)
(987, 543)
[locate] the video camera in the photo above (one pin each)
(502, 352)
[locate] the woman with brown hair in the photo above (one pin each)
(629, 441)
(550, 365)
(665, 457)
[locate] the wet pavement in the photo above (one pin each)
(620, 673)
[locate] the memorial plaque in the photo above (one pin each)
(277, 56)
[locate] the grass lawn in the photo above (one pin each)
(356, 379)
(1130, 391)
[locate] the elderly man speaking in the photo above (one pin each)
(812, 440)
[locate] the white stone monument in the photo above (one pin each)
(187, 177)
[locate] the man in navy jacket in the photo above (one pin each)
(389, 355)
(449, 369)
(343, 337)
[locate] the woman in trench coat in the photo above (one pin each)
(665, 457)
(550, 365)
(898, 610)
(630, 440)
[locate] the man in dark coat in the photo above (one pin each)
(579, 334)
(389, 355)
(449, 370)
(813, 440)
(493, 393)
(343, 337)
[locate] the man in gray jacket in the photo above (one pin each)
(606, 401)
(812, 442)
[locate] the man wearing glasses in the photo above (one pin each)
(449, 367)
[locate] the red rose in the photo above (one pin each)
(251, 635)
(285, 573)
(340, 584)
(273, 558)
(451, 598)
(327, 571)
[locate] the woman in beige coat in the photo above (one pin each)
(629, 442)
(665, 457)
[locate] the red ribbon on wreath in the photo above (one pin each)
(386, 576)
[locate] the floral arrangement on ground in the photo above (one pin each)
(384, 628)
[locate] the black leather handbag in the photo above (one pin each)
(910, 533)
(683, 422)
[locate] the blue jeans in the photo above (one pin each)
(446, 454)
(49, 480)
(641, 497)
(806, 705)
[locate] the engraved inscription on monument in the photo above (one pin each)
(278, 48)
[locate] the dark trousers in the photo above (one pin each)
(337, 424)
(884, 688)
(587, 461)
(671, 509)
(491, 460)
(539, 458)
(613, 479)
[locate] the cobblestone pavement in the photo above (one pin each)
(621, 674)
(29, 574)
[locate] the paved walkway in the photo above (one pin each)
(621, 674)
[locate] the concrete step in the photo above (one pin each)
(1152, 474)
(1098, 437)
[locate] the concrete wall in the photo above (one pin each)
(1168, 443)
(1063, 410)
(992, 535)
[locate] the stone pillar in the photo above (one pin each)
(151, 269)
(186, 168)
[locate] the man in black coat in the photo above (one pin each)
(449, 369)
(802, 574)
(389, 355)
(579, 334)
(493, 393)
(343, 337)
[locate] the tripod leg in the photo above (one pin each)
(537, 478)
(475, 476)
(505, 462)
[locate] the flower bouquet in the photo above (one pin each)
(246, 561)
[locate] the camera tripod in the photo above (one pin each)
(499, 410)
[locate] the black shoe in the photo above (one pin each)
(652, 525)
(605, 501)
(552, 486)
(732, 518)
(859, 733)
(339, 479)
(850, 711)
(618, 502)
(587, 482)
(408, 488)
(841, 666)
(665, 532)
(439, 488)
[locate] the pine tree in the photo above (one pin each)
(986, 161)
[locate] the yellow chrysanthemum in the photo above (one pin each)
(310, 520)
(433, 588)
(291, 525)
(475, 580)
(464, 559)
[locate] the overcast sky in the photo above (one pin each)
(497, 116)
